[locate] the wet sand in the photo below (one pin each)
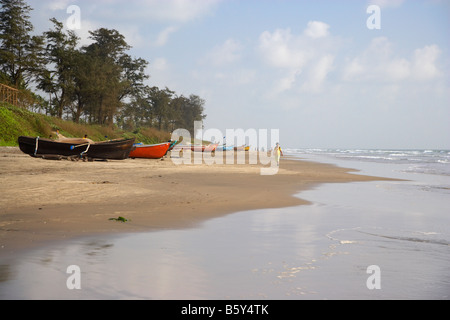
(46, 200)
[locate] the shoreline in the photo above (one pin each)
(44, 201)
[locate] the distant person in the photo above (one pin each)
(85, 136)
(278, 153)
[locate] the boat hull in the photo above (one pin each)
(154, 151)
(225, 148)
(208, 148)
(113, 150)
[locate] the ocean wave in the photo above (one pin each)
(411, 238)
(427, 157)
(360, 235)
(430, 168)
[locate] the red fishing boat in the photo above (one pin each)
(151, 151)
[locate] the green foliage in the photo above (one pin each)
(15, 122)
(120, 219)
(20, 51)
(11, 126)
(97, 84)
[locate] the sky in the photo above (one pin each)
(326, 74)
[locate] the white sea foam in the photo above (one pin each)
(436, 162)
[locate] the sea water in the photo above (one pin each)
(364, 240)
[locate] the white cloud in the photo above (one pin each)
(285, 83)
(282, 49)
(163, 36)
(133, 13)
(424, 63)
(398, 69)
(226, 53)
(379, 63)
(318, 74)
(353, 69)
(304, 60)
(317, 29)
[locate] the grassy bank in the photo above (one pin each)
(15, 122)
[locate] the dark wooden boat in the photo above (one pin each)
(76, 148)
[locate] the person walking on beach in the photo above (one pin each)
(278, 153)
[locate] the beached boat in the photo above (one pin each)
(203, 148)
(225, 148)
(152, 151)
(172, 145)
(247, 148)
(195, 148)
(76, 148)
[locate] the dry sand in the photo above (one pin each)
(45, 200)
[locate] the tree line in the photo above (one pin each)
(99, 83)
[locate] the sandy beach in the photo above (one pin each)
(46, 200)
